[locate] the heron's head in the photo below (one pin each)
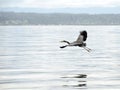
(63, 41)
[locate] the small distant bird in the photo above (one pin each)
(79, 42)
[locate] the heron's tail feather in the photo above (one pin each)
(63, 46)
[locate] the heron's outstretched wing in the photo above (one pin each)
(82, 37)
(84, 34)
(79, 39)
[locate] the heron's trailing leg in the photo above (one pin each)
(87, 49)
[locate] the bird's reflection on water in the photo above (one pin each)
(78, 81)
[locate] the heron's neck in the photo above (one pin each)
(66, 42)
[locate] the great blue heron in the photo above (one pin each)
(79, 42)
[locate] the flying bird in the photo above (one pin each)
(80, 42)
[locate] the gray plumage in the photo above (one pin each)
(79, 42)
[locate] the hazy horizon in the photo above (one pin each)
(114, 10)
(62, 6)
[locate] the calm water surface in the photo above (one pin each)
(30, 58)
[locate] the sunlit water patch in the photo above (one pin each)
(30, 58)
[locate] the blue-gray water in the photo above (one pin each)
(30, 58)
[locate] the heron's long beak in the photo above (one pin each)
(62, 41)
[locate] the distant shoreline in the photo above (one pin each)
(12, 18)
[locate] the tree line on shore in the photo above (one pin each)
(12, 18)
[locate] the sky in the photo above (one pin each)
(53, 4)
